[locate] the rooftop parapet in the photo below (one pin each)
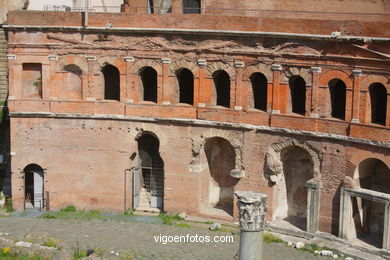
(195, 23)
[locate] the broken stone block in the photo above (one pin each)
(215, 226)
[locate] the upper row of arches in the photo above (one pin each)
(334, 87)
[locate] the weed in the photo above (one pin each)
(208, 222)
(9, 205)
(23, 214)
(52, 243)
(183, 225)
(99, 252)
(69, 208)
(169, 219)
(48, 216)
(78, 253)
(129, 212)
(269, 238)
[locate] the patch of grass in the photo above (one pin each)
(185, 225)
(169, 219)
(69, 208)
(7, 254)
(208, 222)
(70, 214)
(48, 216)
(269, 238)
(52, 243)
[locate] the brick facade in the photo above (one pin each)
(87, 145)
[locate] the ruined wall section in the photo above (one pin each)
(89, 165)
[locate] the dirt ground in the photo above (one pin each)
(132, 239)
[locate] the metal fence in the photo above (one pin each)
(212, 11)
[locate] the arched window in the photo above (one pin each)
(378, 98)
(32, 80)
(185, 79)
(259, 89)
(222, 87)
(72, 82)
(191, 7)
(298, 94)
(337, 90)
(149, 84)
(111, 82)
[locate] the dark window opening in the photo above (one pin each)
(259, 88)
(111, 83)
(191, 7)
(298, 95)
(378, 97)
(222, 86)
(186, 86)
(338, 94)
(150, 7)
(149, 83)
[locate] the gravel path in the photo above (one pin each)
(134, 240)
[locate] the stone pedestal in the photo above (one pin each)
(252, 209)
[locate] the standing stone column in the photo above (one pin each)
(252, 209)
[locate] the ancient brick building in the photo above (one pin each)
(174, 107)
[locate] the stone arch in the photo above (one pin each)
(273, 163)
(305, 73)
(76, 60)
(332, 74)
(324, 91)
(71, 83)
(368, 215)
(137, 66)
(219, 184)
(215, 66)
(262, 68)
(119, 63)
(234, 138)
(291, 166)
(180, 64)
(368, 80)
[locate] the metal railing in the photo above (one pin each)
(210, 11)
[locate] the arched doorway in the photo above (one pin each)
(34, 186)
(298, 168)
(368, 215)
(221, 157)
(152, 174)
